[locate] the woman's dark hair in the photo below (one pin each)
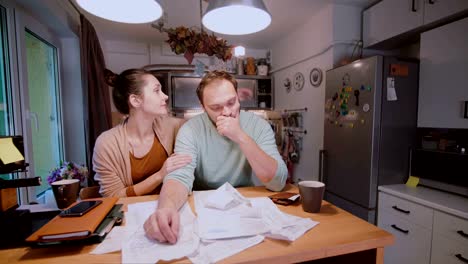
(211, 77)
(124, 84)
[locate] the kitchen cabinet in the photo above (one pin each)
(450, 241)
(390, 18)
(429, 226)
(438, 9)
(443, 77)
(411, 224)
(393, 19)
(255, 92)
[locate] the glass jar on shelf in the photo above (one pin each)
(262, 67)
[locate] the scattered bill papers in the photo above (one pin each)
(211, 252)
(112, 242)
(259, 216)
(227, 223)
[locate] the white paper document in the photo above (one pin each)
(113, 241)
(211, 252)
(259, 216)
(138, 248)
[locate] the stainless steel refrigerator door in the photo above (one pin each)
(184, 96)
(352, 116)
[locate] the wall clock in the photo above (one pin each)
(315, 77)
(298, 81)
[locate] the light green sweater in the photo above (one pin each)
(216, 159)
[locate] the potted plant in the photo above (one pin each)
(66, 181)
(67, 171)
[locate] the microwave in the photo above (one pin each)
(183, 95)
(441, 170)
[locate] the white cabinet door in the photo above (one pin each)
(448, 251)
(390, 18)
(443, 76)
(438, 9)
(451, 227)
(412, 242)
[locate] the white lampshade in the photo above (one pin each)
(236, 17)
(125, 11)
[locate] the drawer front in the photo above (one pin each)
(451, 227)
(448, 251)
(406, 210)
(413, 247)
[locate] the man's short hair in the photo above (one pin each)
(211, 77)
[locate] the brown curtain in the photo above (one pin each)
(97, 108)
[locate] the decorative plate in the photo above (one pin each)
(316, 77)
(287, 85)
(298, 82)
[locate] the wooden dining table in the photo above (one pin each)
(340, 237)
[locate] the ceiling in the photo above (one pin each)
(286, 15)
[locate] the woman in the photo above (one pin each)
(134, 157)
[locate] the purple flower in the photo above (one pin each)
(68, 170)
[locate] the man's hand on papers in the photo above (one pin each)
(163, 225)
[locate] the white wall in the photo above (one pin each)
(311, 38)
(322, 42)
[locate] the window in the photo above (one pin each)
(43, 109)
(5, 84)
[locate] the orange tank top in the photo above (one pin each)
(151, 162)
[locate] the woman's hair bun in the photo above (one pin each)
(110, 77)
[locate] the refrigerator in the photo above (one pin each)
(370, 126)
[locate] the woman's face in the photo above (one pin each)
(153, 98)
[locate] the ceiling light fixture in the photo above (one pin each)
(239, 51)
(236, 17)
(133, 12)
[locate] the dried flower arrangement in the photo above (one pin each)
(188, 41)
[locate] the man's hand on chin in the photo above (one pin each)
(229, 127)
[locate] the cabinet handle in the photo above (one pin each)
(413, 6)
(400, 210)
(463, 234)
(431, 2)
(399, 229)
(460, 257)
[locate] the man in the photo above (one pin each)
(226, 145)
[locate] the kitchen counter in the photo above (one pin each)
(439, 200)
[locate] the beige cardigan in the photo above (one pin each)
(111, 159)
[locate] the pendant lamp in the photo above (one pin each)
(125, 11)
(236, 17)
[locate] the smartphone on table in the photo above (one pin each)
(80, 208)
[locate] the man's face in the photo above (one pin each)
(220, 99)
